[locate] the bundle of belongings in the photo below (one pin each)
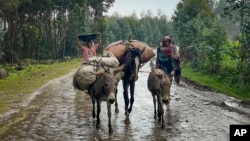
(84, 76)
(119, 48)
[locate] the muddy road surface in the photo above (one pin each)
(192, 115)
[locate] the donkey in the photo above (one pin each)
(131, 60)
(159, 85)
(104, 89)
(132, 54)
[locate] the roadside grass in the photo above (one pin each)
(19, 84)
(216, 83)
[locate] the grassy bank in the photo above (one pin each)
(19, 84)
(217, 83)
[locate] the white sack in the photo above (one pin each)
(84, 77)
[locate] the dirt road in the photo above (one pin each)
(192, 115)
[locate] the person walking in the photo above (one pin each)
(165, 56)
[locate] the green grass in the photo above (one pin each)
(217, 83)
(19, 84)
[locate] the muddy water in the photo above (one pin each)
(192, 115)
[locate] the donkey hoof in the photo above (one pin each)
(159, 119)
(129, 110)
(110, 130)
(116, 110)
(163, 126)
(127, 121)
(97, 125)
(126, 113)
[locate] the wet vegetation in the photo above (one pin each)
(208, 47)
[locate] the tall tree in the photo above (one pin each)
(232, 28)
(46, 29)
(239, 11)
(196, 28)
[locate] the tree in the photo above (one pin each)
(239, 11)
(233, 29)
(42, 29)
(197, 28)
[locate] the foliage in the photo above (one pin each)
(148, 29)
(233, 29)
(204, 44)
(47, 29)
(201, 37)
(239, 12)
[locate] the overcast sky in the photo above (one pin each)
(127, 7)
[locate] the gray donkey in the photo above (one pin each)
(104, 89)
(159, 85)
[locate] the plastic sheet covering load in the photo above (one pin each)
(118, 48)
(84, 76)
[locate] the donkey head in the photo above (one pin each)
(106, 83)
(132, 62)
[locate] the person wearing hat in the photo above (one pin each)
(165, 56)
(89, 50)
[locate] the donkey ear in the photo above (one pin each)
(171, 75)
(98, 73)
(119, 69)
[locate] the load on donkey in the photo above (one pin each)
(133, 54)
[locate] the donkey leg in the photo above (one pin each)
(116, 106)
(159, 103)
(126, 101)
(132, 89)
(98, 113)
(160, 111)
(162, 121)
(125, 97)
(116, 103)
(93, 110)
(154, 101)
(109, 116)
(162, 116)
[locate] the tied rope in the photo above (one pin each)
(97, 65)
